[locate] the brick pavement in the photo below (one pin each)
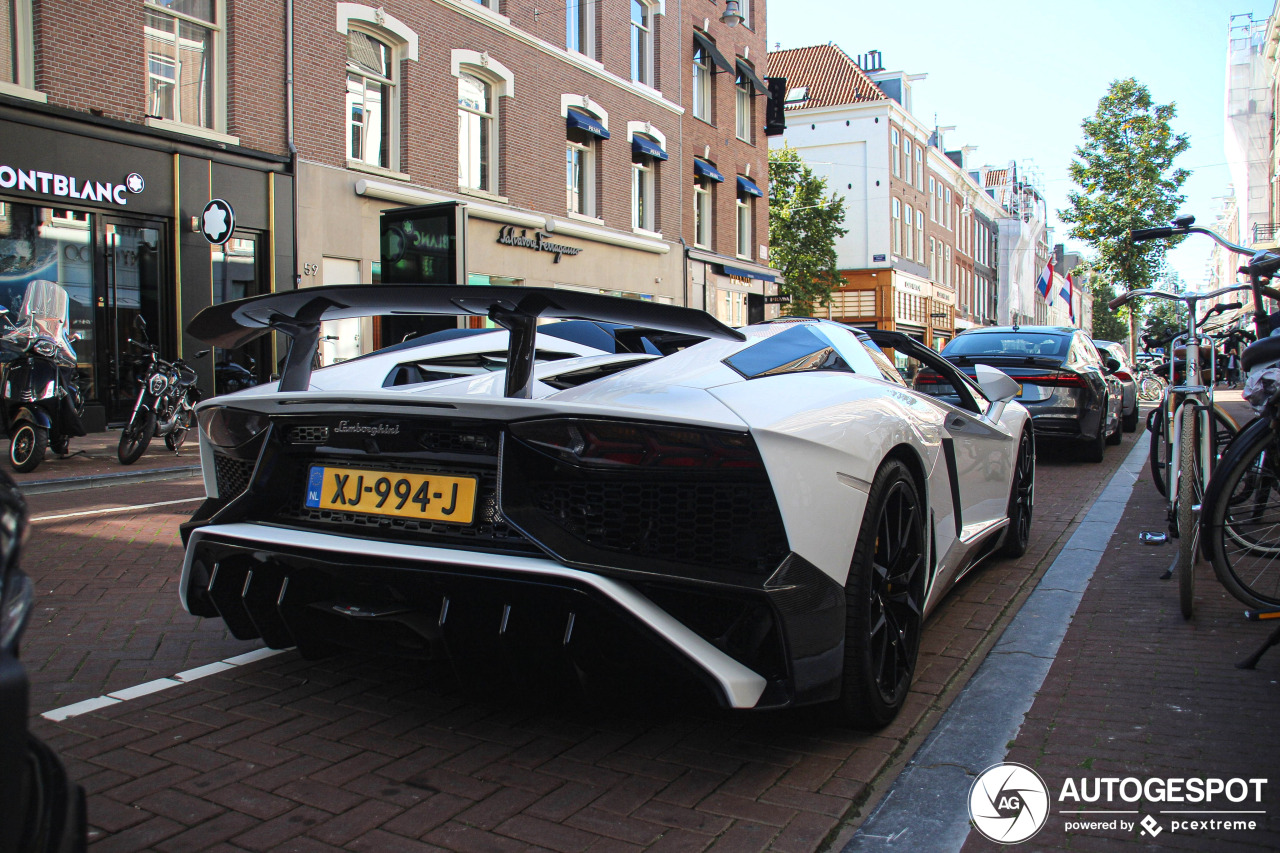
(358, 753)
(1137, 691)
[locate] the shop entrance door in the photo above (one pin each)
(131, 285)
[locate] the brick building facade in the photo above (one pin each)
(583, 123)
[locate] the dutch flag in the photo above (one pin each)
(1067, 293)
(1043, 283)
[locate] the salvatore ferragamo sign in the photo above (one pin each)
(539, 242)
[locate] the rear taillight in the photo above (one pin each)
(1123, 376)
(611, 444)
(1055, 380)
(928, 377)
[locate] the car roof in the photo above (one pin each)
(1032, 330)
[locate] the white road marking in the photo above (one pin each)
(57, 715)
(115, 509)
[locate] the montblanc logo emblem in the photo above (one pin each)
(367, 429)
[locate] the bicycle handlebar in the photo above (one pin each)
(1187, 296)
(1138, 235)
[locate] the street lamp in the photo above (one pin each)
(732, 13)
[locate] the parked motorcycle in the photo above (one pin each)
(41, 402)
(167, 397)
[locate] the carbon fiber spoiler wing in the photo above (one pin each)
(299, 313)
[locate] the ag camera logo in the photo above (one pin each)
(1008, 803)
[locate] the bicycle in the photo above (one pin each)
(1187, 409)
(1237, 523)
(1159, 421)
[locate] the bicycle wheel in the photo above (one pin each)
(1225, 430)
(1241, 519)
(1188, 498)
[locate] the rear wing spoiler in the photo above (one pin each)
(299, 313)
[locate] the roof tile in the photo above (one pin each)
(830, 75)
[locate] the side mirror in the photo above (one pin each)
(995, 384)
(1112, 365)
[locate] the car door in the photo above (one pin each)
(977, 454)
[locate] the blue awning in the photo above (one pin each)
(645, 145)
(746, 186)
(743, 273)
(703, 169)
(579, 120)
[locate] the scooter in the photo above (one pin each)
(167, 396)
(41, 402)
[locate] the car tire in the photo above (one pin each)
(1096, 448)
(1022, 495)
(1130, 422)
(884, 602)
(1117, 435)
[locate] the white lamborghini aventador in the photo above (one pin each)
(602, 481)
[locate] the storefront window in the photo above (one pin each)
(237, 273)
(55, 245)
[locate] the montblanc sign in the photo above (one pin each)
(69, 186)
(538, 242)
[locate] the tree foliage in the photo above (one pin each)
(1108, 325)
(1124, 171)
(804, 224)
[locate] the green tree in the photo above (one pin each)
(804, 224)
(1108, 325)
(1126, 179)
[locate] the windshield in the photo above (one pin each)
(1011, 344)
(45, 312)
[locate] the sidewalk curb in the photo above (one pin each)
(927, 805)
(94, 481)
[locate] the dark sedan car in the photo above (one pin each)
(41, 811)
(1127, 376)
(1064, 383)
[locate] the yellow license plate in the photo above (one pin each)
(430, 497)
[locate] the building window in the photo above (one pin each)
(933, 201)
(947, 268)
(701, 106)
(745, 209)
(476, 134)
(643, 192)
(909, 240)
(948, 208)
(702, 206)
(645, 156)
(577, 181)
(183, 73)
(920, 236)
(578, 26)
(370, 99)
(919, 166)
(933, 259)
(641, 43)
(906, 163)
(743, 94)
(895, 153)
(744, 9)
(897, 226)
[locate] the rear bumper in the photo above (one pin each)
(754, 648)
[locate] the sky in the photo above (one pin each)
(1016, 77)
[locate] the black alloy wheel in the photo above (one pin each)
(1022, 496)
(884, 602)
(1096, 448)
(135, 437)
(27, 446)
